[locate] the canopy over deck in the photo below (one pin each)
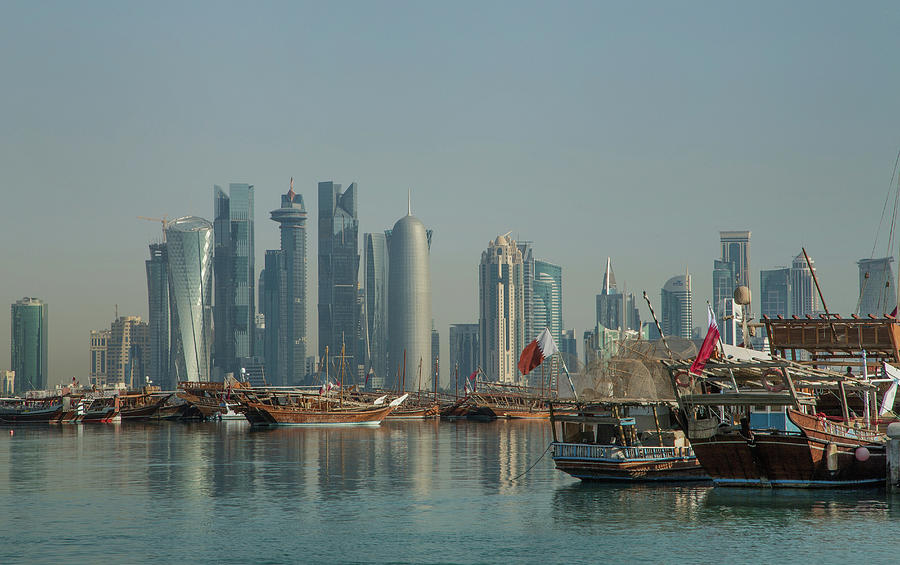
(833, 340)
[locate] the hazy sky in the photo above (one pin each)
(632, 130)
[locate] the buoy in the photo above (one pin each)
(11, 432)
(862, 454)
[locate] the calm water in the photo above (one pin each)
(419, 492)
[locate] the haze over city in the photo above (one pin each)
(636, 132)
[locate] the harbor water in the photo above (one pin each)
(406, 492)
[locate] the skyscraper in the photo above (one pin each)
(677, 306)
(99, 344)
(877, 295)
(501, 309)
(128, 352)
(547, 300)
(235, 276)
(610, 304)
(189, 246)
(616, 309)
(724, 282)
(804, 298)
(434, 368)
(736, 250)
(775, 293)
(376, 307)
(286, 278)
(409, 299)
(463, 357)
(528, 300)
(338, 272)
(28, 344)
(159, 365)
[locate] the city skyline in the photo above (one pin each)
(651, 172)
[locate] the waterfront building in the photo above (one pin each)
(804, 298)
(615, 308)
(775, 292)
(435, 367)
(877, 295)
(99, 350)
(568, 347)
(7, 383)
(376, 307)
(29, 318)
(160, 362)
(463, 352)
(252, 370)
(189, 247)
(724, 282)
(677, 306)
(339, 271)
(501, 309)
(528, 298)
(128, 352)
(286, 295)
(409, 298)
(736, 250)
(547, 300)
(235, 276)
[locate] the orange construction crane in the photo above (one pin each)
(164, 221)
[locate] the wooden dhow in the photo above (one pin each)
(616, 441)
(756, 423)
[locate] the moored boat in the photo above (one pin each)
(756, 423)
(621, 441)
(30, 410)
(293, 409)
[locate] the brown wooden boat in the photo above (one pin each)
(211, 399)
(30, 410)
(756, 423)
(293, 409)
(622, 441)
(142, 406)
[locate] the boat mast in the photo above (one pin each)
(341, 375)
(420, 375)
(456, 380)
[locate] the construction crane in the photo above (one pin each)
(164, 221)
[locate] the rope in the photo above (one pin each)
(525, 472)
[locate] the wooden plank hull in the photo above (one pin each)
(587, 465)
(813, 458)
(266, 415)
(36, 416)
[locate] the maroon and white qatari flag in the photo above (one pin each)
(536, 351)
(709, 345)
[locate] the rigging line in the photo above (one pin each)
(523, 473)
(887, 198)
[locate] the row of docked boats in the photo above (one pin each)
(750, 419)
(89, 407)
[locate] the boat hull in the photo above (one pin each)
(38, 416)
(266, 415)
(813, 458)
(609, 463)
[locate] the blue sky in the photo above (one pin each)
(631, 130)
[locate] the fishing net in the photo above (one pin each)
(634, 371)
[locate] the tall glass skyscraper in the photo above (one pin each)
(28, 344)
(736, 250)
(804, 297)
(409, 300)
(286, 302)
(339, 273)
(501, 309)
(158, 297)
(528, 299)
(548, 300)
(376, 307)
(189, 246)
(677, 307)
(235, 276)
(877, 294)
(724, 282)
(775, 292)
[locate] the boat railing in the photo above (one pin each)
(591, 451)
